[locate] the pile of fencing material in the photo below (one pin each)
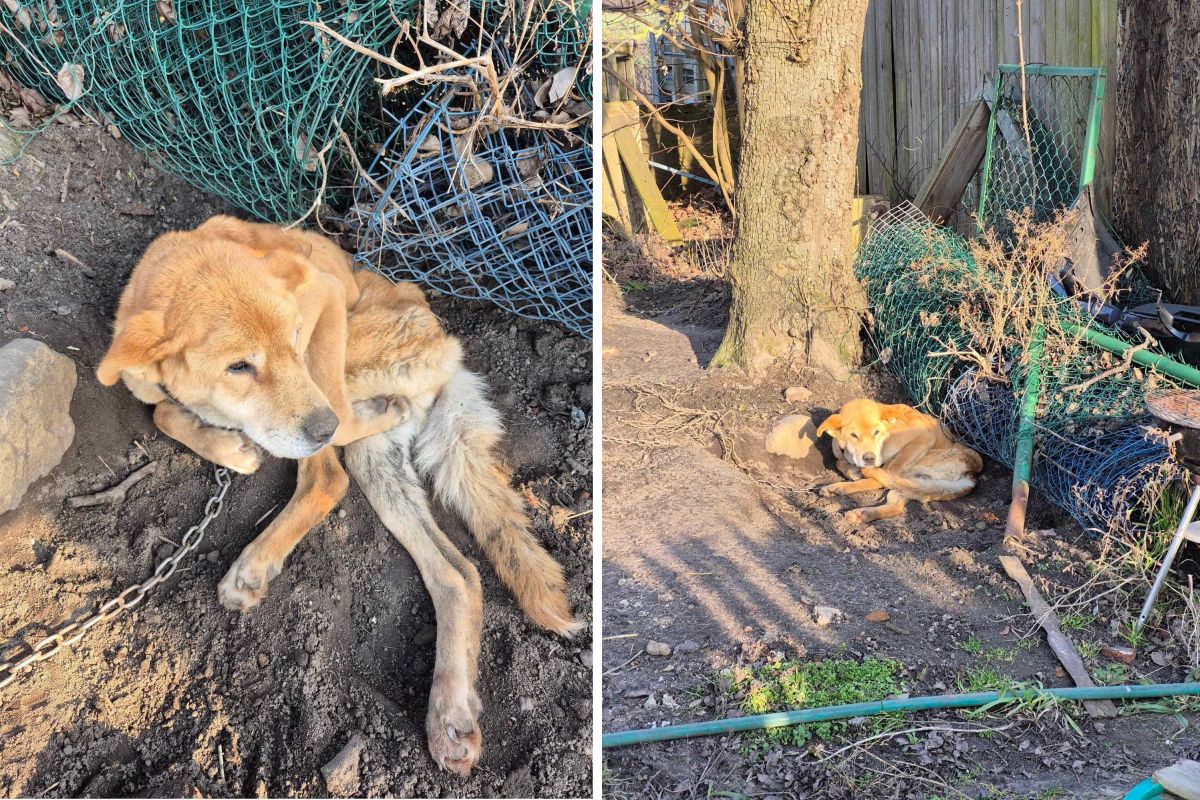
(253, 104)
(1100, 455)
(243, 100)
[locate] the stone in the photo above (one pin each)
(794, 436)
(827, 615)
(1119, 653)
(669, 702)
(878, 616)
(797, 394)
(687, 647)
(341, 773)
(36, 385)
(658, 648)
(7, 284)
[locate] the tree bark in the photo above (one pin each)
(794, 292)
(1156, 183)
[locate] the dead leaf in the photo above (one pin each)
(515, 230)
(542, 96)
(70, 80)
(878, 616)
(306, 155)
(19, 118)
(166, 12)
(560, 84)
(561, 118)
(429, 146)
(1162, 658)
(476, 172)
(36, 104)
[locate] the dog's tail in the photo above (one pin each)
(455, 451)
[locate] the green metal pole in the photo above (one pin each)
(1091, 141)
(1167, 366)
(987, 154)
(906, 704)
(1023, 455)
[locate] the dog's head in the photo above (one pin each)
(228, 345)
(860, 428)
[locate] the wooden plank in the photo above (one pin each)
(615, 202)
(634, 161)
(1058, 641)
(944, 187)
(860, 217)
(1181, 779)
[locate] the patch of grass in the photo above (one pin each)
(974, 646)
(635, 286)
(1111, 674)
(983, 679)
(1075, 621)
(793, 685)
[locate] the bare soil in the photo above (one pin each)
(714, 544)
(182, 697)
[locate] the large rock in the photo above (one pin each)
(794, 436)
(36, 385)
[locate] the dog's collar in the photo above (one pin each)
(162, 387)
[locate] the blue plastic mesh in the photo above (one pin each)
(476, 211)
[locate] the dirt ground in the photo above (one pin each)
(722, 551)
(185, 698)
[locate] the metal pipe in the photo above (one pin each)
(1176, 542)
(1164, 364)
(906, 704)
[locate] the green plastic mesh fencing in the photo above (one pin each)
(1098, 455)
(1041, 167)
(238, 97)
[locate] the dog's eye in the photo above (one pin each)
(876, 433)
(854, 436)
(241, 368)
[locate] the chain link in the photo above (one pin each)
(72, 632)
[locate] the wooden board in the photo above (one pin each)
(1059, 643)
(1181, 779)
(634, 161)
(944, 187)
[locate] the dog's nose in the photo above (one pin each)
(868, 459)
(320, 425)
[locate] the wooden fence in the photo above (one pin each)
(923, 59)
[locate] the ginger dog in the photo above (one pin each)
(247, 338)
(896, 447)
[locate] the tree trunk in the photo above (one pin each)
(1156, 183)
(794, 292)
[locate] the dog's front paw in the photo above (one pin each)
(245, 584)
(452, 725)
(854, 517)
(232, 450)
(830, 490)
(384, 411)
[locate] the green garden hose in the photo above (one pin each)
(908, 704)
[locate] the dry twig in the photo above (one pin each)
(117, 493)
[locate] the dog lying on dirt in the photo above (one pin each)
(248, 338)
(896, 447)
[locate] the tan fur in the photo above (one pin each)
(896, 447)
(320, 336)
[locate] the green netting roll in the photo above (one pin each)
(238, 97)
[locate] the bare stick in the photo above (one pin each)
(71, 258)
(1059, 643)
(117, 493)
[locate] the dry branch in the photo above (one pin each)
(117, 493)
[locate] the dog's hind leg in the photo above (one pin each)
(892, 507)
(321, 483)
(382, 468)
(454, 450)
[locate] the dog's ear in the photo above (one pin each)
(143, 341)
(893, 414)
(832, 424)
(293, 271)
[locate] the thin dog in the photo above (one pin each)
(248, 337)
(896, 447)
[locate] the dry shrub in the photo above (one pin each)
(1009, 296)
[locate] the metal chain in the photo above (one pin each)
(72, 632)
